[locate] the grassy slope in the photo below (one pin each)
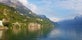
(14, 16)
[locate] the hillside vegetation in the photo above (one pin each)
(21, 26)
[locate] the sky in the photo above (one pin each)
(56, 10)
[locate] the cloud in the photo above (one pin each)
(49, 4)
(24, 2)
(49, 7)
(29, 5)
(55, 19)
(71, 4)
(33, 7)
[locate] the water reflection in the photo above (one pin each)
(65, 32)
(1, 34)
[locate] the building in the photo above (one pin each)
(1, 23)
(34, 26)
(2, 30)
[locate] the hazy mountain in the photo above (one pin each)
(42, 16)
(71, 29)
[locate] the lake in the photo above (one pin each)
(65, 32)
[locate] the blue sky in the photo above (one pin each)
(55, 9)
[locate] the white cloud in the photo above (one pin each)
(68, 4)
(55, 19)
(32, 7)
(48, 6)
(71, 4)
(25, 2)
(29, 5)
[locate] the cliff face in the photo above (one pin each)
(23, 25)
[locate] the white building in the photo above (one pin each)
(2, 29)
(34, 26)
(1, 23)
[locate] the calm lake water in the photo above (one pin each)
(65, 32)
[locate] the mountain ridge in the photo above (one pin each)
(18, 6)
(19, 24)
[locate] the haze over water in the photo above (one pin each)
(66, 30)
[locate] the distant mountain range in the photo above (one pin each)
(72, 24)
(76, 21)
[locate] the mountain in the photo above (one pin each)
(70, 29)
(78, 19)
(19, 7)
(72, 24)
(21, 22)
(42, 16)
